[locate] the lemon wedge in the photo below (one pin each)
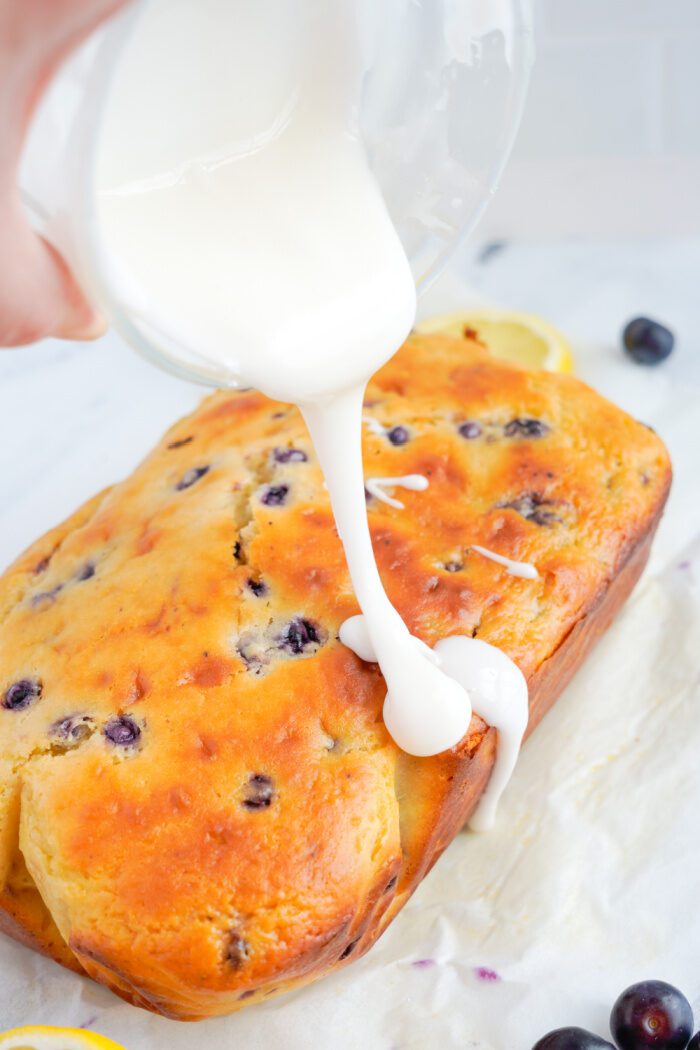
(45, 1037)
(522, 339)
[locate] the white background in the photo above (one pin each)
(610, 142)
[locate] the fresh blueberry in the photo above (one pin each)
(290, 455)
(190, 477)
(275, 495)
(647, 342)
(651, 1014)
(258, 587)
(525, 428)
(258, 792)
(298, 634)
(572, 1039)
(86, 572)
(398, 435)
(469, 430)
(123, 731)
(22, 694)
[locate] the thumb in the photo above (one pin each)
(39, 296)
(75, 317)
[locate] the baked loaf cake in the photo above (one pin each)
(201, 806)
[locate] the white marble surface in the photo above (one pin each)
(569, 899)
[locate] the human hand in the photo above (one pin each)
(38, 294)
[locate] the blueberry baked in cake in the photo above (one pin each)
(201, 806)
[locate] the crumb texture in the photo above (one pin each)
(199, 803)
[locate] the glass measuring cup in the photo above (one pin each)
(440, 104)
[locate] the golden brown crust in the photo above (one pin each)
(264, 828)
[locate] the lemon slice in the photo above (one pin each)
(520, 338)
(45, 1037)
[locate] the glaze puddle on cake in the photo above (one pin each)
(496, 688)
(277, 257)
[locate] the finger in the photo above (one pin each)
(76, 318)
(39, 296)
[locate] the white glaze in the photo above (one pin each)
(498, 691)
(354, 634)
(411, 482)
(274, 255)
(425, 711)
(374, 426)
(523, 569)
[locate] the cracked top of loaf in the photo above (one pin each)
(200, 803)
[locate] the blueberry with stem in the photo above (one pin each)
(651, 1014)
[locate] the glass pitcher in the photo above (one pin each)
(440, 105)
